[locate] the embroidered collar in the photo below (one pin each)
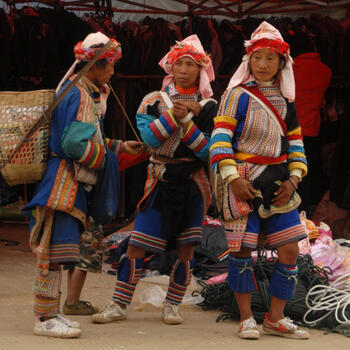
(90, 87)
(265, 83)
(173, 90)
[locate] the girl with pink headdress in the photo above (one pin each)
(176, 124)
(257, 149)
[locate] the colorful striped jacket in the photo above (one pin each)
(244, 131)
(160, 130)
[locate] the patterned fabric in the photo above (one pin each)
(48, 285)
(85, 54)
(164, 126)
(232, 207)
(147, 232)
(235, 230)
(245, 131)
(93, 156)
(266, 36)
(279, 229)
(46, 307)
(190, 47)
(123, 292)
(91, 249)
(254, 134)
(116, 146)
(64, 189)
(195, 140)
(89, 111)
(180, 278)
(129, 273)
(154, 129)
(277, 45)
(40, 237)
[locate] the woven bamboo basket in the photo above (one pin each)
(19, 112)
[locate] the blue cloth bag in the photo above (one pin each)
(105, 198)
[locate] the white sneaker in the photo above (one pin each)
(248, 329)
(55, 327)
(284, 328)
(112, 312)
(171, 313)
(70, 323)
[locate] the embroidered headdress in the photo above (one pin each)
(266, 36)
(190, 47)
(84, 52)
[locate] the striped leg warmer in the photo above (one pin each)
(129, 273)
(46, 289)
(180, 278)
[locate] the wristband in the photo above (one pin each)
(293, 183)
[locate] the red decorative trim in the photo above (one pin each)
(295, 137)
(156, 132)
(278, 45)
(89, 156)
(187, 91)
(190, 133)
(219, 157)
(201, 145)
(255, 91)
(225, 126)
(266, 160)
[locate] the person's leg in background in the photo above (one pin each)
(91, 255)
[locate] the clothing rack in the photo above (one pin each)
(229, 9)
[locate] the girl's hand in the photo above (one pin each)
(133, 147)
(193, 106)
(242, 189)
(283, 194)
(179, 110)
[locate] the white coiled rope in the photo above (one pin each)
(331, 299)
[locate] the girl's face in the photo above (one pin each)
(103, 75)
(264, 64)
(186, 72)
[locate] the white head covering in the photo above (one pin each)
(274, 41)
(90, 40)
(190, 47)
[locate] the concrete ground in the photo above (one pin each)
(142, 330)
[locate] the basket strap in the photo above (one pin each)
(44, 118)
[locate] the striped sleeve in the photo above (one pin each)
(296, 152)
(154, 130)
(221, 151)
(94, 156)
(196, 141)
(76, 143)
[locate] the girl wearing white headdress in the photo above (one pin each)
(257, 149)
(176, 124)
(58, 211)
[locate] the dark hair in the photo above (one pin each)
(283, 61)
(101, 64)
